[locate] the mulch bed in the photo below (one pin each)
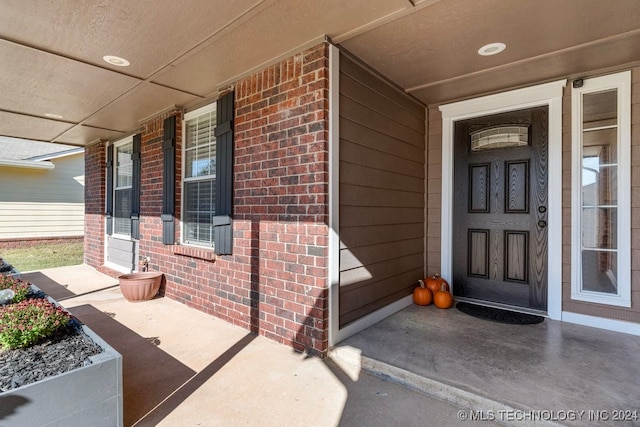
(65, 352)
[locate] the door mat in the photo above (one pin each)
(498, 315)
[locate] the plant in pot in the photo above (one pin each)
(43, 350)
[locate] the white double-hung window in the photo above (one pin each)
(601, 182)
(199, 176)
(122, 189)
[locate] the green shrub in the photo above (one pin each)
(21, 288)
(25, 323)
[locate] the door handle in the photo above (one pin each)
(542, 223)
(542, 209)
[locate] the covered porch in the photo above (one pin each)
(339, 186)
(183, 366)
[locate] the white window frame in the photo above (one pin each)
(119, 143)
(189, 116)
(621, 82)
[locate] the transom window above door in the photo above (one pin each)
(500, 137)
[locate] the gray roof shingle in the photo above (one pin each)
(23, 149)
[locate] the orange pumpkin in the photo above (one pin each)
(435, 282)
(442, 298)
(422, 295)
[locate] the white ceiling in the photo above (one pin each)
(183, 52)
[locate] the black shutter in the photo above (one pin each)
(108, 213)
(135, 187)
(169, 180)
(224, 175)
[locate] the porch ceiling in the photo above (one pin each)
(181, 53)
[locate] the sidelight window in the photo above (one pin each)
(601, 149)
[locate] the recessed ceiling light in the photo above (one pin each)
(116, 60)
(491, 49)
(53, 116)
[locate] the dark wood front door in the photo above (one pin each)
(500, 208)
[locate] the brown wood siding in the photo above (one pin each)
(434, 191)
(382, 173)
(631, 314)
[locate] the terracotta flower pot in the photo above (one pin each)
(140, 286)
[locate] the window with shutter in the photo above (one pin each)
(199, 178)
(207, 182)
(122, 188)
(168, 180)
(135, 186)
(224, 185)
(108, 211)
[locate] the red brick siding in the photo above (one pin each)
(275, 283)
(95, 157)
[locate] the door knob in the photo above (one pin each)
(542, 223)
(542, 209)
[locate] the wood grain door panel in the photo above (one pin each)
(500, 211)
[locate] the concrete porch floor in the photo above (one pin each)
(488, 366)
(186, 368)
(182, 367)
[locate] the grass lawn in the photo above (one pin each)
(44, 256)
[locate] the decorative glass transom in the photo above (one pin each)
(500, 137)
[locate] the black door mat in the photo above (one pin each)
(498, 315)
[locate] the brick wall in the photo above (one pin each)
(275, 283)
(95, 158)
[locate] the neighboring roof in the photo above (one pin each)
(32, 154)
(24, 149)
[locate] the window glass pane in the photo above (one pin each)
(122, 211)
(601, 143)
(600, 191)
(600, 108)
(500, 137)
(189, 157)
(599, 183)
(599, 271)
(199, 130)
(199, 162)
(191, 133)
(599, 228)
(124, 165)
(199, 209)
(200, 147)
(202, 162)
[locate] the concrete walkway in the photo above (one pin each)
(186, 368)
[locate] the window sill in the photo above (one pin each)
(604, 299)
(195, 252)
